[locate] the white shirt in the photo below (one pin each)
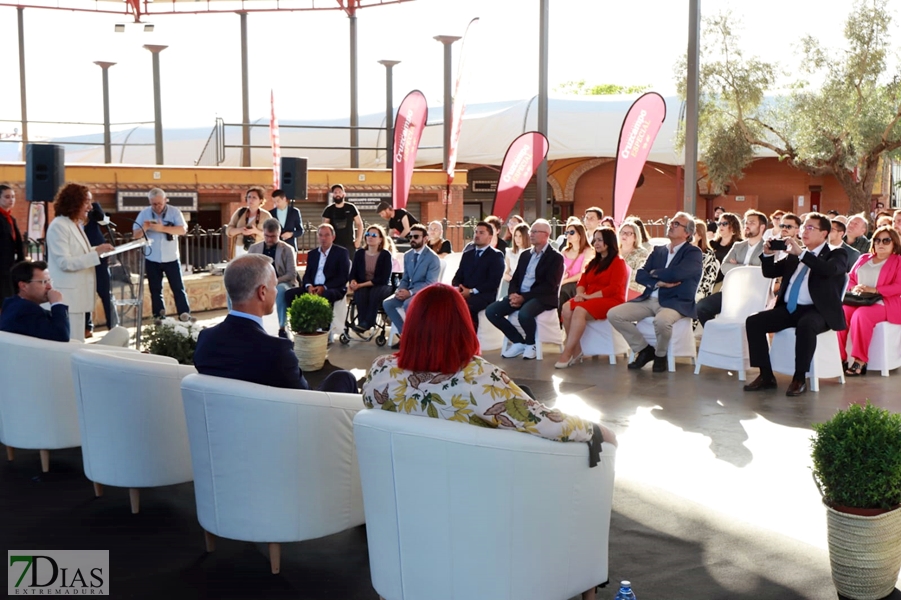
(804, 293)
(319, 279)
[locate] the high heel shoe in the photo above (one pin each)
(569, 363)
(856, 369)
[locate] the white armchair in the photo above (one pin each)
(133, 431)
(457, 512)
(271, 465)
(37, 405)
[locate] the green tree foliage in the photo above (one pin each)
(580, 88)
(838, 118)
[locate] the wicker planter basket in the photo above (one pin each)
(311, 350)
(865, 553)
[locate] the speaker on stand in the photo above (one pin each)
(293, 177)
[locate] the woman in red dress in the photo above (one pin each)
(601, 287)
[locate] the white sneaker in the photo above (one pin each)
(530, 352)
(513, 350)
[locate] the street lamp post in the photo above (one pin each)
(107, 138)
(389, 108)
(448, 41)
(157, 101)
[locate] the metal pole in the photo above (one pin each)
(389, 108)
(354, 117)
(448, 41)
(23, 103)
(107, 138)
(245, 96)
(689, 200)
(541, 180)
(157, 101)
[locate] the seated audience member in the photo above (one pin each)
(534, 289)
(513, 221)
(480, 272)
(284, 258)
(744, 253)
(577, 252)
(519, 244)
(633, 252)
(601, 287)
(439, 359)
(896, 221)
(709, 264)
(712, 224)
(775, 222)
(239, 347)
(437, 243)
(421, 268)
(497, 240)
(884, 220)
(399, 220)
(24, 315)
(810, 300)
(670, 276)
(370, 277)
(837, 240)
(878, 271)
(645, 236)
(728, 233)
(328, 268)
(856, 233)
(592, 219)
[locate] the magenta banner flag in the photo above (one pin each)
(520, 163)
(459, 104)
(636, 137)
(408, 126)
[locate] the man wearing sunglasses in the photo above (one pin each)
(421, 268)
(670, 275)
(810, 300)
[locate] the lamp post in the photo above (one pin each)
(389, 108)
(541, 178)
(107, 141)
(689, 200)
(448, 41)
(157, 101)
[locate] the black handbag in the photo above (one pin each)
(862, 299)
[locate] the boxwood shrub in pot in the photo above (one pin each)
(309, 314)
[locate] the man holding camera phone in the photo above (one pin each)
(162, 224)
(810, 300)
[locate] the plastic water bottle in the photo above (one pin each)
(625, 591)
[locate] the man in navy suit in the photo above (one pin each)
(288, 217)
(480, 272)
(535, 288)
(328, 268)
(421, 268)
(239, 347)
(23, 314)
(810, 300)
(670, 275)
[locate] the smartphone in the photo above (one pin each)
(777, 244)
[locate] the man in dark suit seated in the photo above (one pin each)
(535, 288)
(328, 268)
(480, 272)
(670, 275)
(810, 300)
(239, 347)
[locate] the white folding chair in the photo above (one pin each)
(548, 331)
(724, 344)
(601, 339)
(885, 348)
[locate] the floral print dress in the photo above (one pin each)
(480, 394)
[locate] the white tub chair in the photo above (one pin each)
(885, 348)
(681, 343)
(547, 331)
(826, 363)
(132, 420)
(37, 404)
(601, 339)
(271, 465)
(457, 512)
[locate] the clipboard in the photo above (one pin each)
(126, 247)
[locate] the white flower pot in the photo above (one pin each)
(865, 553)
(311, 350)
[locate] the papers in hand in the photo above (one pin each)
(126, 247)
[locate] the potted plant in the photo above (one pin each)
(857, 467)
(310, 317)
(172, 338)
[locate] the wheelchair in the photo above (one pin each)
(379, 331)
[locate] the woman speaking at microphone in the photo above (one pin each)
(70, 257)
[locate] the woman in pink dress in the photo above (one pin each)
(601, 287)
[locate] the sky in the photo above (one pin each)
(304, 56)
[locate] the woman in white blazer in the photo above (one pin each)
(70, 257)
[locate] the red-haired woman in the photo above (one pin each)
(438, 360)
(70, 257)
(601, 287)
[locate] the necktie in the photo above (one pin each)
(415, 260)
(479, 254)
(796, 289)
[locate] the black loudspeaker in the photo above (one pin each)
(294, 177)
(45, 171)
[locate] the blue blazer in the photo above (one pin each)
(686, 267)
(548, 275)
(426, 272)
(483, 274)
(382, 275)
(336, 271)
(293, 223)
(238, 348)
(27, 318)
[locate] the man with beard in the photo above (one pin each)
(346, 220)
(421, 268)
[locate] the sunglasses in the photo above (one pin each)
(372, 234)
(415, 237)
(722, 224)
(886, 241)
(788, 227)
(677, 224)
(571, 232)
